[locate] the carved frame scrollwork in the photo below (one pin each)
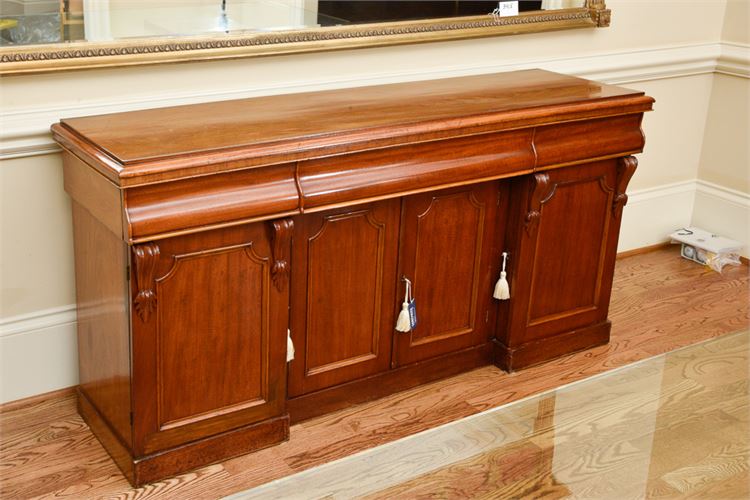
(145, 257)
(82, 55)
(541, 192)
(281, 238)
(626, 167)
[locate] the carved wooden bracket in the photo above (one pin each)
(600, 14)
(542, 191)
(281, 238)
(145, 264)
(625, 169)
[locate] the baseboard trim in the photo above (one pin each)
(652, 214)
(37, 399)
(38, 353)
(724, 211)
(642, 250)
(695, 202)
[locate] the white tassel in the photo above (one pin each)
(289, 347)
(403, 323)
(502, 290)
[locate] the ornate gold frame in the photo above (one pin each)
(84, 55)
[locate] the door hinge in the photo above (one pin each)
(127, 273)
(131, 418)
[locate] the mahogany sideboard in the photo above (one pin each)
(206, 234)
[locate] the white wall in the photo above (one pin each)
(722, 198)
(670, 49)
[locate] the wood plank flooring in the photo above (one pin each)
(671, 426)
(660, 302)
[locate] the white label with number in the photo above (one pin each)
(505, 9)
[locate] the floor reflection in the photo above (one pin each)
(676, 425)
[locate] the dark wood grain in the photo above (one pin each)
(540, 350)
(189, 205)
(281, 237)
(448, 251)
(101, 260)
(264, 158)
(238, 441)
(94, 192)
(101, 427)
(343, 294)
(563, 263)
(340, 119)
(572, 142)
(339, 194)
(568, 263)
(398, 379)
(660, 302)
(415, 168)
(211, 357)
(144, 260)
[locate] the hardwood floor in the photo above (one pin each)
(660, 302)
(671, 426)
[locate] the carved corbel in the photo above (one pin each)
(625, 169)
(541, 193)
(600, 14)
(281, 240)
(145, 257)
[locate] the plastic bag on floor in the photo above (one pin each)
(707, 248)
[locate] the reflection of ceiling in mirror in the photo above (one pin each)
(28, 22)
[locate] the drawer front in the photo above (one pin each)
(402, 170)
(196, 204)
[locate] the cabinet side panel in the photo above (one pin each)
(103, 325)
(94, 192)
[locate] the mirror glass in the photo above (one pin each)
(32, 22)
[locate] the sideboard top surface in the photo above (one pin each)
(313, 124)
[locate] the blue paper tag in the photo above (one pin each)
(412, 313)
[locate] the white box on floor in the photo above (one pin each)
(706, 248)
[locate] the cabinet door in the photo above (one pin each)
(343, 289)
(209, 333)
(449, 252)
(563, 261)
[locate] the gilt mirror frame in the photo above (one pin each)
(26, 59)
